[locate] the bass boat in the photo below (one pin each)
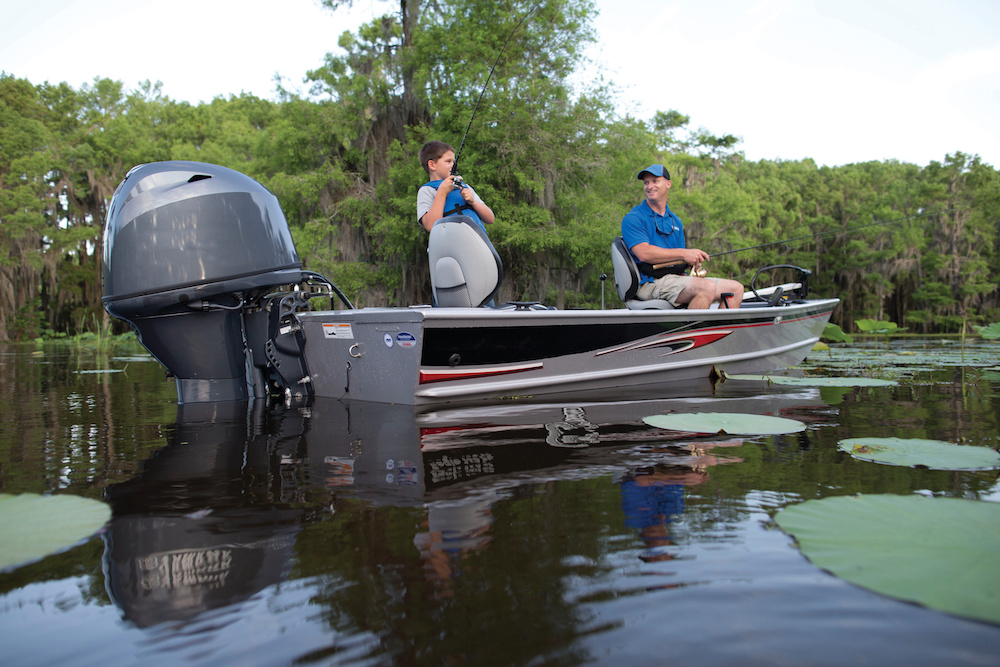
(199, 259)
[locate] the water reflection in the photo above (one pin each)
(515, 533)
(213, 518)
(198, 528)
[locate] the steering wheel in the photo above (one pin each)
(803, 279)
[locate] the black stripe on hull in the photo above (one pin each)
(517, 343)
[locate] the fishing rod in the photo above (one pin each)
(832, 232)
(454, 167)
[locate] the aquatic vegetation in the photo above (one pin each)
(834, 333)
(726, 422)
(914, 452)
(35, 526)
(879, 328)
(940, 552)
(816, 381)
(990, 332)
(911, 359)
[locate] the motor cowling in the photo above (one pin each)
(186, 246)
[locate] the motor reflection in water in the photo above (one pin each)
(204, 525)
(214, 516)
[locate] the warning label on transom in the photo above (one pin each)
(340, 330)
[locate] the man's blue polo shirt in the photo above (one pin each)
(644, 225)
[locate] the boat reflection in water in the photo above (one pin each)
(215, 515)
(201, 527)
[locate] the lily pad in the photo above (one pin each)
(34, 526)
(938, 552)
(991, 332)
(733, 423)
(816, 381)
(834, 333)
(933, 454)
(880, 327)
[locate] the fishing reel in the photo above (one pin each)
(698, 272)
(458, 183)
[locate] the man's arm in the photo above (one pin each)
(651, 254)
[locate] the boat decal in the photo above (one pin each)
(340, 330)
(406, 340)
(674, 342)
(428, 376)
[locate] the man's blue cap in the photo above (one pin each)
(655, 170)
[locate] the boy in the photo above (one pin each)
(441, 196)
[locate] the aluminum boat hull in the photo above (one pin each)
(424, 355)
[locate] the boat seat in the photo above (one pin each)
(627, 279)
(466, 271)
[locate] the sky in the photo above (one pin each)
(838, 82)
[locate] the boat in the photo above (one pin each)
(200, 261)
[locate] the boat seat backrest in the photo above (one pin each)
(627, 279)
(466, 270)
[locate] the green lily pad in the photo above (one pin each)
(816, 381)
(35, 526)
(733, 423)
(834, 333)
(933, 454)
(880, 327)
(943, 553)
(991, 332)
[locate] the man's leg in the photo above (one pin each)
(701, 292)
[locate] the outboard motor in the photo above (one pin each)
(188, 248)
(466, 270)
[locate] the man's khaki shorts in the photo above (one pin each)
(667, 287)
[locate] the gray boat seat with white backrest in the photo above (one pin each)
(627, 279)
(466, 271)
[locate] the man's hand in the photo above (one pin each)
(694, 256)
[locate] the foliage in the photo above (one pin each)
(35, 526)
(991, 332)
(555, 161)
(834, 333)
(878, 327)
(940, 552)
(916, 452)
(733, 423)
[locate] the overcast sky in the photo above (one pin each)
(839, 82)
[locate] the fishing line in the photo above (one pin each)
(454, 167)
(832, 232)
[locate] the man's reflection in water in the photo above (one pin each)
(653, 498)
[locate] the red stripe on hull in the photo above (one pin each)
(427, 377)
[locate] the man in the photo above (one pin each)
(656, 238)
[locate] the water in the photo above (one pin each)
(518, 534)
